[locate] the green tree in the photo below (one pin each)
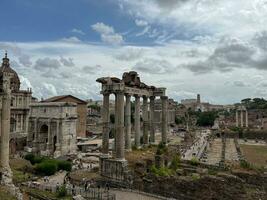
(206, 118)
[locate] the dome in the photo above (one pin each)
(14, 82)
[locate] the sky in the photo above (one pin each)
(216, 48)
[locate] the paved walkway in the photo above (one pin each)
(122, 195)
(214, 152)
(230, 150)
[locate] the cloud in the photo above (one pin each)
(240, 84)
(92, 69)
(153, 66)
(25, 60)
(68, 62)
(49, 90)
(72, 39)
(46, 63)
(78, 31)
(130, 54)
(108, 35)
(140, 22)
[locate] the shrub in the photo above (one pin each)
(194, 161)
(62, 191)
(162, 148)
(64, 165)
(30, 157)
(175, 162)
(162, 171)
(46, 168)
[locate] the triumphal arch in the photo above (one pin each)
(115, 167)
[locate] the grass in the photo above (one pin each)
(4, 194)
(79, 175)
(44, 194)
(255, 154)
(20, 177)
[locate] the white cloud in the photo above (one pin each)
(72, 39)
(68, 62)
(46, 63)
(78, 31)
(140, 22)
(108, 35)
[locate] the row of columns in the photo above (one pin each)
(123, 122)
(242, 112)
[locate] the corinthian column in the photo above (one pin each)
(128, 122)
(105, 117)
(120, 126)
(145, 120)
(152, 127)
(5, 130)
(137, 121)
(164, 124)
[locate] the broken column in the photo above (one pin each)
(128, 122)
(137, 121)
(105, 117)
(120, 126)
(164, 125)
(6, 175)
(145, 120)
(152, 124)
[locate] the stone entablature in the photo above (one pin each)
(52, 128)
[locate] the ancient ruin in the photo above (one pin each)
(129, 86)
(52, 128)
(241, 120)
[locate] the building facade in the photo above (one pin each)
(81, 111)
(20, 100)
(52, 128)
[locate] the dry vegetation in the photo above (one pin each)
(255, 154)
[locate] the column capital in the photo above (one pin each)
(127, 95)
(145, 97)
(105, 93)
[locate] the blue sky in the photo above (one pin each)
(215, 48)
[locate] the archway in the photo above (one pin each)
(43, 137)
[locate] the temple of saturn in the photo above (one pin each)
(241, 117)
(130, 86)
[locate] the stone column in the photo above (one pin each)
(152, 123)
(5, 131)
(120, 126)
(236, 118)
(137, 121)
(49, 138)
(58, 149)
(35, 139)
(128, 122)
(164, 125)
(246, 118)
(241, 118)
(21, 122)
(145, 120)
(105, 118)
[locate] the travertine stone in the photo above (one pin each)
(120, 126)
(128, 122)
(5, 124)
(164, 119)
(152, 122)
(145, 120)
(137, 121)
(105, 117)
(241, 118)
(246, 118)
(236, 118)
